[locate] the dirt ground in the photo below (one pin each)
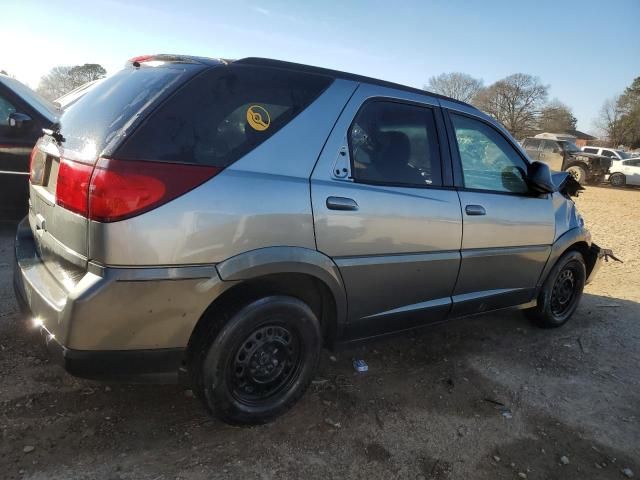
(489, 397)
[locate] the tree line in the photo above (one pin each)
(520, 103)
(63, 79)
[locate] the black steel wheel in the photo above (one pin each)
(259, 361)
(561, 292)
(265, 363)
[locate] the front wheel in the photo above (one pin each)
(561, 292)
(578, 173)
(261, 361)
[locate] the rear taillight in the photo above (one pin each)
(36, 166)
(119, 189)
(72, 188)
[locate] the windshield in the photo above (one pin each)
(569, 146)
(41, 104)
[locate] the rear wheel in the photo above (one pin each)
(579, 173)
(617, 180)
(261, 361)
(561, 292)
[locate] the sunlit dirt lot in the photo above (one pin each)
(489, 397)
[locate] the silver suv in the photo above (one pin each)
(219, 222)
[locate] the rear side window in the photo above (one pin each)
(608, 153)
(550, 146)
(223, 114)
(92, 121)
(590, 150)
(532, 143)
(395, 144)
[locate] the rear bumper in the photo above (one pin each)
(114, 323)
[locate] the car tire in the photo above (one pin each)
(578, 173)
(617, 180)
(260, 362)
(561, 292)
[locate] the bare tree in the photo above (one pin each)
(63, 79)
(556, 117)
(515, 101)
(460, 86)
(610, 121)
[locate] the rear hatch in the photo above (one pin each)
(64, 159)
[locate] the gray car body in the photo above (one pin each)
(404, 258)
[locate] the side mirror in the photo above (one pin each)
(19, 120)
(540, 177)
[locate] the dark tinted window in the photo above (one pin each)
(394, 143)
(590, 150)
(549, 146)
(45, 108)
(223, 114)
(489, 162)
(96, 117)
(532, 143)
(609, 153)
(6, 109)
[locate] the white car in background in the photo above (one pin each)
(625, 172)
(612, 153)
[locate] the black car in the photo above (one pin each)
(565, 156)
(23, 115)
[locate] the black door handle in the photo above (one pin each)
(475, 210)
(341, 203)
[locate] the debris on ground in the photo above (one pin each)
(28, 448)
(627, 472)
(564, 460)
(360, 365)
(333, 423)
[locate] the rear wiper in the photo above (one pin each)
(54, 132)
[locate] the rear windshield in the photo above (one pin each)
(92, 121)
(223, 114)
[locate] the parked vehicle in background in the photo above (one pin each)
(612, 153)
(73, 96)
(23, 115)
(625, 172)
(226, 219)
(565, 156)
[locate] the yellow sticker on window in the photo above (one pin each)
(258, 118)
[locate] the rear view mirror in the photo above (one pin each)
(540, 177)
(19, 120)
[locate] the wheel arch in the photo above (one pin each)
(299, 272)
(576, 239)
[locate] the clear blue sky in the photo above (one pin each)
(587, 51)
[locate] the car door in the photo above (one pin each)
(385, 210)
(15, 146)
(551, 154)
(508, 231)
(631, 170)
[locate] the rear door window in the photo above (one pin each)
(590, 150)
(549, 146)
(609, 153)
(532, 143)
(223, 114)
(395, 144)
